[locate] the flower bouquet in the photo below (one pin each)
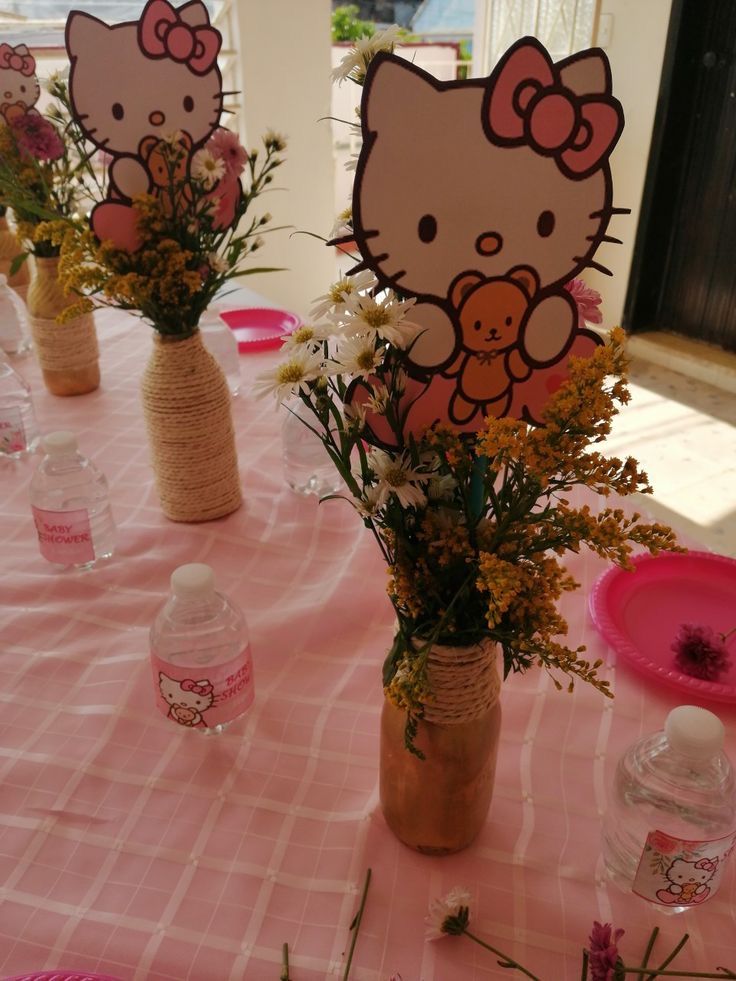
(46, 174)
(172, 224)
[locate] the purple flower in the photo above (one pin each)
(587, 301)
(37, 137)
(603, 952)
(700, 652)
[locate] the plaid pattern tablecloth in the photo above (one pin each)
(132, 847)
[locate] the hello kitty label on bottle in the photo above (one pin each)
(64, 537)
(204, 697)
(12, 433)
(675, 872)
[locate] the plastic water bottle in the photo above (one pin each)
(222, 345)
(200, 654)
(70, 505)
(14, 334)
(671, 824)
(307, 467)
(18, 429)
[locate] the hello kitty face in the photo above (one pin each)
(149, 78)
(188, 699)
(18, 83)
(440, 192)
(681, 873)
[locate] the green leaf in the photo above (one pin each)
(17, 263)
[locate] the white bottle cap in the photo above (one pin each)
(694, 732)
(192, 581)
(59, 443)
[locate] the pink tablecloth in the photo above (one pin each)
(130, 847)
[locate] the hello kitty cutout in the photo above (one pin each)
(19, 88)
(132, 85)
(187, 700)
(502, 180)
(688, 882)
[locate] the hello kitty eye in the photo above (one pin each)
(117, 110)
(545, 224)
(22, 88)
(188, 103)
(427, 228)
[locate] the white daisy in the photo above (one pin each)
(396, 476)
(448, 908)
(343, 224)
(378, 401)
(308, 336)
(441, 488)
(385, 317)
(368, 505)
(334, 301)
(358, 356)
(173, 138)
(356, 61)
(290, 377)
(354, 414)
(206, 169)
(217, 263)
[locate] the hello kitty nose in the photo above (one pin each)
(156, 118)
(488, 243)
(8, 95)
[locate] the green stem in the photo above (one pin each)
(284, 976)
(584, 972)
(355, 925)
(679, 974)
(650, 946)
(668, 960)
(507, 961)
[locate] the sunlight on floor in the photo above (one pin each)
(683, 432)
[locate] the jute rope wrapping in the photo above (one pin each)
(10, 247)
(186, 404)
(64, 347)
(464, 682)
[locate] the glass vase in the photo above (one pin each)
(438, 805)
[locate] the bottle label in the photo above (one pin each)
(676, 872)
(204, 697)
(12, 433)
(64, 536)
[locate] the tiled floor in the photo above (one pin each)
(683, 433)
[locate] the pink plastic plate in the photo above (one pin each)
(639, 614)
(260, 328)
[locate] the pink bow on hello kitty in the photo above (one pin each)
(10, 58)
(530, 104)
(162, 33)
(709, 865)
(189, 685)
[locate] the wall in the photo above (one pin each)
(636, 51)
(285, 51)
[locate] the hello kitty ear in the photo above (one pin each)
(395, 92)
(195, 14)
(588, 73)
(83, 32)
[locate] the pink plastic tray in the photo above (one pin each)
(260, 328)
(61, 976)
(639, 614)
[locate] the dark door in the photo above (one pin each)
(684, 268)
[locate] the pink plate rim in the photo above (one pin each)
(608, 628)
(273, 322)
(60, 976)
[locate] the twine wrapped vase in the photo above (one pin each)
(67, 353)
(439, 805)
(10, 247)
(187, 408)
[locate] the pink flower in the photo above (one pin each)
(224, 145)
(700, 652)
(603, 951)
(37, 137)
(587, 301)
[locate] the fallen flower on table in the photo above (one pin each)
(700, 651)
(602, 961)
